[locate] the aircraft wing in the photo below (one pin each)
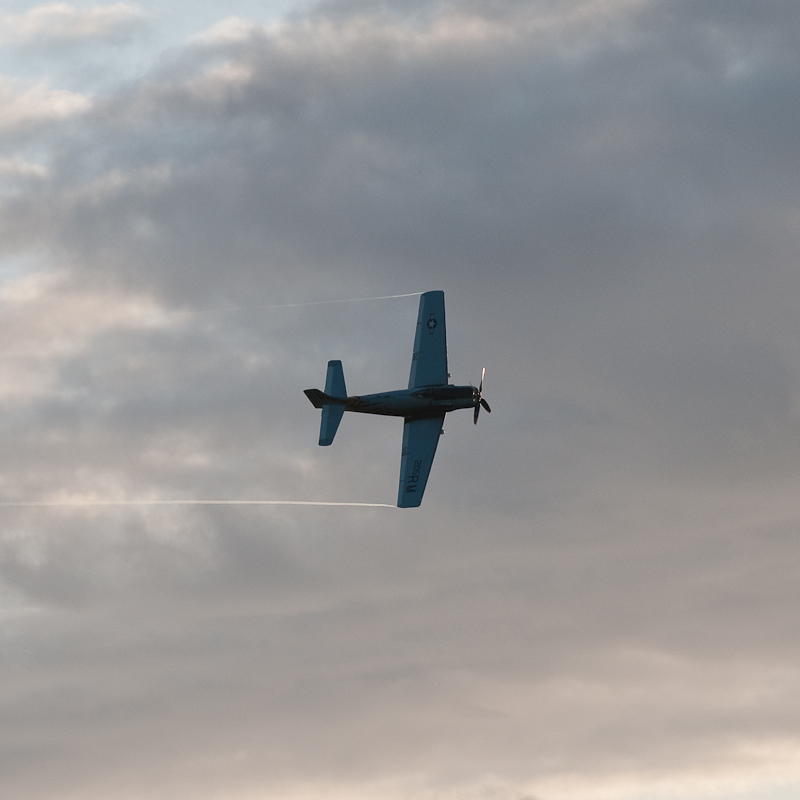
(420, 438)
(429, 362)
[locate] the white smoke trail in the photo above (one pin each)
(79, 503)
(317, 303)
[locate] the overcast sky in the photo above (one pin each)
(598, 599)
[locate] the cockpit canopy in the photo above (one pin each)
(446, 393)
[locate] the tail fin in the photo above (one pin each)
(332, 412)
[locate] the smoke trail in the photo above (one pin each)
(79, 503)
(316, 303)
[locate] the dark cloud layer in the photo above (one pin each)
(596, 597)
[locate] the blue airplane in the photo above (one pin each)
(423, 405)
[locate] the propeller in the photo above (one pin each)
(479, 401)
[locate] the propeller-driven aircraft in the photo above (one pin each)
(423, 405)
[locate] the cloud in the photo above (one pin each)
(230, 30)
(23, 106)
(46, 321)
(594, 596)
(65, 23)
(16, 167)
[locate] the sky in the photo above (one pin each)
(598, 598)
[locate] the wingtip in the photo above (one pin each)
(401, 504)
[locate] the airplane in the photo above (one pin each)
(423, 405)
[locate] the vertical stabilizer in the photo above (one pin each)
(332, 414)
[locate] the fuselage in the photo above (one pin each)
(420, 402)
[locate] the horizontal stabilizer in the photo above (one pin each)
(334, 380)
(333, 402)
(331, 417)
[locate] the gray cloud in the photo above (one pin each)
(62, 23)
(595, 599)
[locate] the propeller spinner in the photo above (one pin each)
(479, 401)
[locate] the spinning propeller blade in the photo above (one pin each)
(480, 401)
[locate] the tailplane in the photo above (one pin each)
(331, 401)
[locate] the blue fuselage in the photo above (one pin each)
(421, 402)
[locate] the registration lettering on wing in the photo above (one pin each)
(413, 478)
